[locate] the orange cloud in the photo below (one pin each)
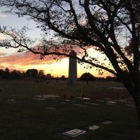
(26, 58)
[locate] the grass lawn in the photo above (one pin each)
(24, 117)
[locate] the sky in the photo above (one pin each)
(10, 58)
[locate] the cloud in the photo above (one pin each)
(25, 59)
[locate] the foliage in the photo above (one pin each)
(32, 72)
(7, 74)
(17, 74)
(87, 77)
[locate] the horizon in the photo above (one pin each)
(57, 73)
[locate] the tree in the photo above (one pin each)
(48, 76)
(15, 74)
(41, 74)
(62, 77)
(32, 73)
(6, 73)
(87, 77)
(106, 26)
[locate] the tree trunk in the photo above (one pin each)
(134, 90)
(136, 98)
(138, 115)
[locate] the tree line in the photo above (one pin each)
(39, 74)
(17, 74)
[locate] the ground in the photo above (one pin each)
(25, 116)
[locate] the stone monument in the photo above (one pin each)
(72, 79)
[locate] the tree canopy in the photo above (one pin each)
(87, 77)
(107, 26)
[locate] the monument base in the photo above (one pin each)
(71, 82)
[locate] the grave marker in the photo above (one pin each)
(93, 127)
(74, 132)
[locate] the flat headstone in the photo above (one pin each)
(90, 103)
(111, 102)
(83, 98)
(74, 132)
(93, 127)
(46, 96)
(11, 100)
(107, 122)
(80, 105)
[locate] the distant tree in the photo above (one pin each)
(41, 74)
(48, 76)
(15, 74)
(32, 73)
(62, 77)
(1, 73)
(6, 73)
(87, 77)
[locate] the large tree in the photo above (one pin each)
(87, 77)
(106, 26)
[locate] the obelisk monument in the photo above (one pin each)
(72, 79)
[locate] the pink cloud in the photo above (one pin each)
(26, 58)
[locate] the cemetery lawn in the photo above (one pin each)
(25, 116)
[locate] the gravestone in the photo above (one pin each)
(74, 132)
(93, 127)
(72, 80)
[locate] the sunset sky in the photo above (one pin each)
(10, 58)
